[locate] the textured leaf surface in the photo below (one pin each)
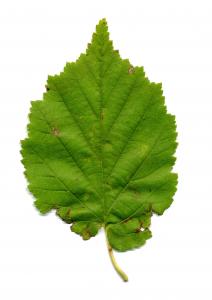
(100, 147)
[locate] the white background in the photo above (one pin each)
(39, 257)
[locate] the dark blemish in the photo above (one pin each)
(68, 213)
(127, 220)
(55, 131)
(131, 70)
(137, 195)
(47, 88)
(86, 234)
(137, 230)
(101, 116)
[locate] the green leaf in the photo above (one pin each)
(100, 147)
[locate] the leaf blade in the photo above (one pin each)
(100, 146)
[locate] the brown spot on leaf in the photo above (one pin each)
(55, 131)
(131, 70)
(86, 234)
(68, 213)
(102, 116)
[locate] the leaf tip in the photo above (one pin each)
(102, 23)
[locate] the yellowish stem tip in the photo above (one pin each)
(114, 263)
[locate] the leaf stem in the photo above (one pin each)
(112, 258)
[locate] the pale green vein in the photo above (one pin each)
(76, 79)
(124, 103)
(63, 184)
(90, 72)
(75, 120)
(68, 151)
(142, 204)
(129, 138)
(117, 197)
(114, 86)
